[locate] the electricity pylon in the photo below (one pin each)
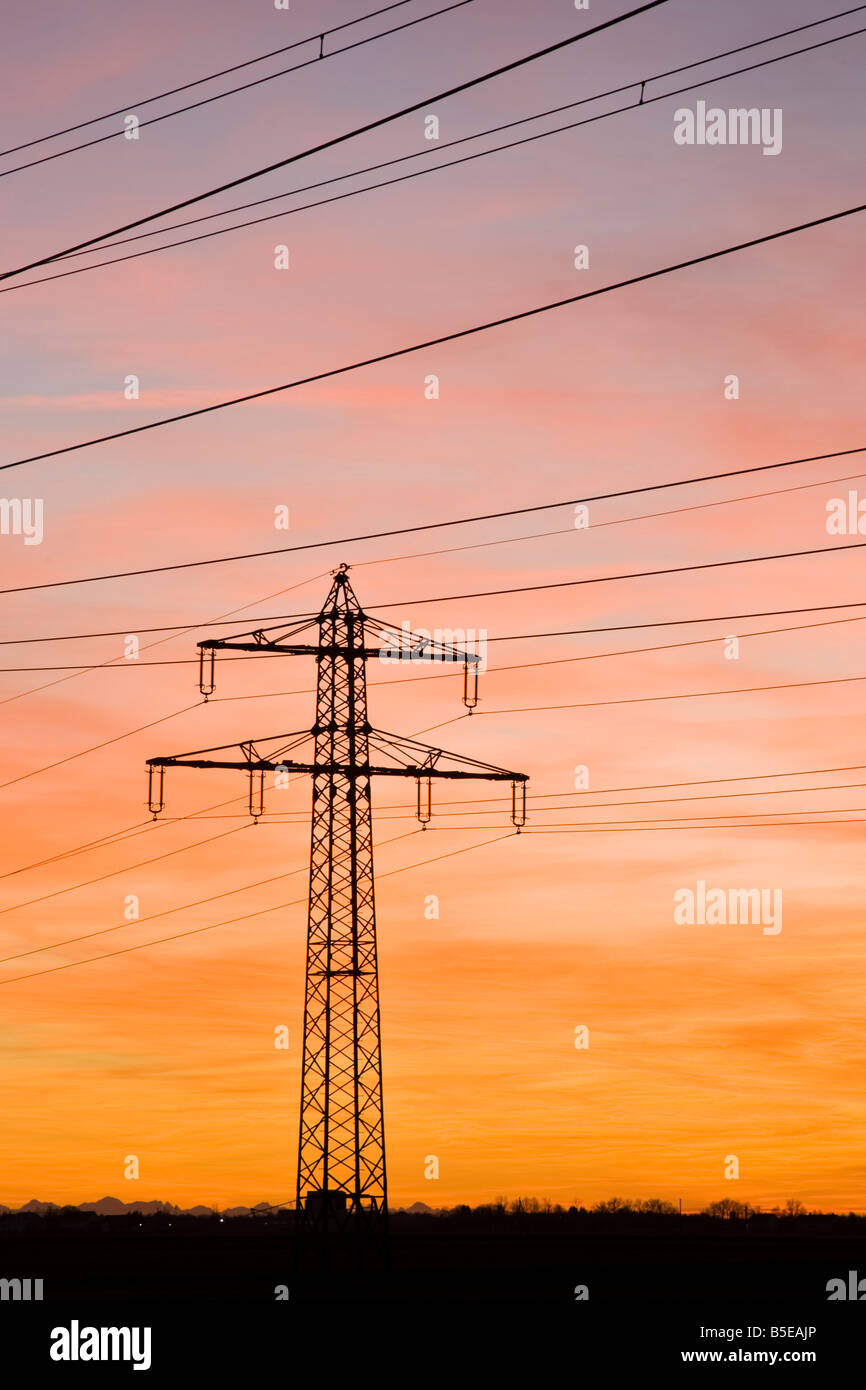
(341, 1178)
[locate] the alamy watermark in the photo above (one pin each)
(21, 1290)
(846, 516)
(417, 644)
(22, 516)
(77, 1343)
(713, 907)
(737, 126)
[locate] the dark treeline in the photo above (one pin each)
(522, 1213)
(532, 1212)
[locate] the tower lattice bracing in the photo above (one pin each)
(341, 1179)
(342, 1140)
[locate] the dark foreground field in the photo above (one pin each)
(214, 1289)
(247, 1258)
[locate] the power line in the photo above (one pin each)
(117, 837)
(673, 823)
(743, 777)
(232, 613)
(611, 578)
(152, 917)
(668, 786)
(229, 614)
(600, 827)
(411, 530)
(59, 762)
(245, 917)
(603, 579)
(670, 622)
(143, 827)
(634, 574)
(246, 86)
(126, 665)
(263, 620)
(533, 665)
(753, 817)
(451, 337)
(112, 664)
(211, 77)
(651, 699)
(534, 799)
(438, 814)
(184, 907)
(509, 125)
(604, 829)
(615, 521)
(441, 675)
(662, 647)
(639, 103)
(494, 804)
(100, 842)
(679, 829)
(248, 915)
(126, 869)
(380, 121)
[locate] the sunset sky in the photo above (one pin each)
(705, 1041)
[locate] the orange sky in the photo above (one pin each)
(704, 1041)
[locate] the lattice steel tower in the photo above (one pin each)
(341, 1149)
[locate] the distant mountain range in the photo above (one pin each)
(112, 1206)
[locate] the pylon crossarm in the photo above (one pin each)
(248, 757)
(396, 644)
(265, 636)
(343, 635)
(339, 605)
(341, 769)
(446, 773)
(401, 644)
(249, 748)
(402, 647)
(237, 765)
(250, 644)
(260, 640)
(421, 758)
